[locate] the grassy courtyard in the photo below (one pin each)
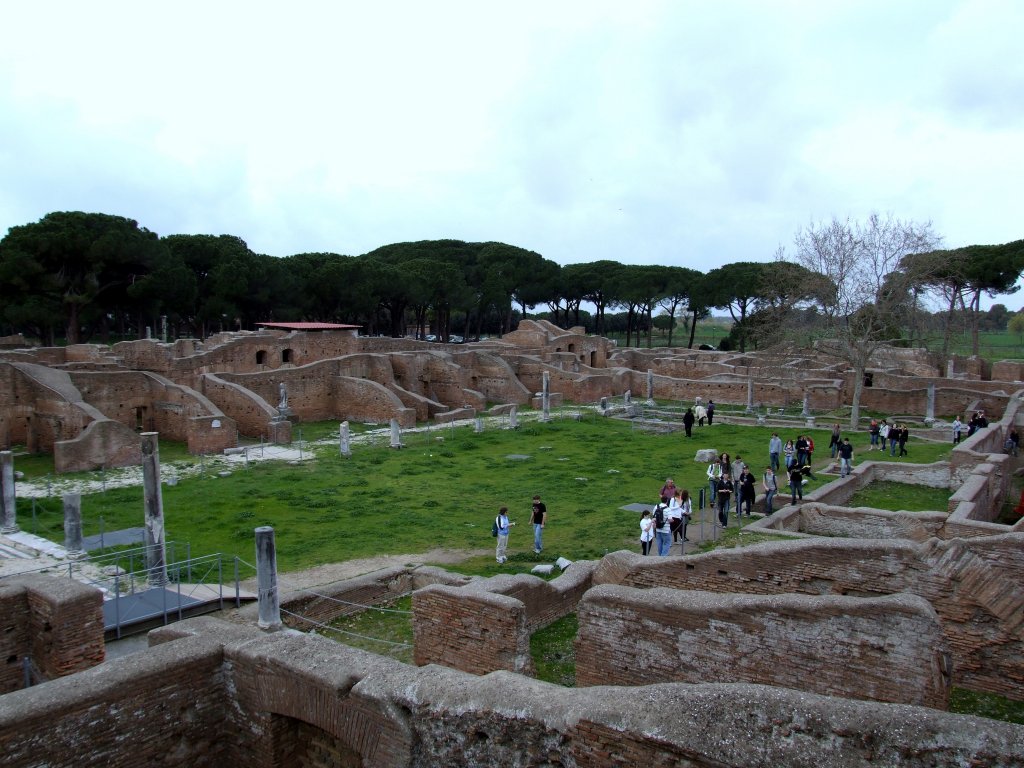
(442, 490)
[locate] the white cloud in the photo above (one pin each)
(652, 132)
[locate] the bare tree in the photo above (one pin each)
(871, 294)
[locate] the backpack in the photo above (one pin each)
(659, 516)
(494, 527)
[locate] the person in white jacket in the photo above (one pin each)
(714, 475)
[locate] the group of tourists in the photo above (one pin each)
(894, 435)
(500, 529)
(668, 521)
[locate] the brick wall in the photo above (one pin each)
(486, 624)
(55, 621)
(882, 649)
(982, 632)
(162, 707)
(239, 698)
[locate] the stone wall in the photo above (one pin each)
(975, 595)
(55, 622)
(881, 649)
(213, 694)
(486, 624)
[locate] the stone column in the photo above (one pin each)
(806, 411)
(73, 541)
(513, 417)
(396, 434)
(269, 601)
(344, 440)
(627, 398)
(545, 398)
(750, 395)
(9, 523)
(163, 328)
(929, 417)
(478, 425)
(650, 387)
(154, 535)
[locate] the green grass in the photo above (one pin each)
(990, 705)
(554, 653)
(901, 496)
(440, 491)
(386, 632)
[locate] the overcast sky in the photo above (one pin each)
(685, 133)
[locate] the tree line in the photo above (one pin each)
(81, 276)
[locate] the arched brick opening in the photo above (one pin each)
(261, 357)
(320, 719)
(287, 356)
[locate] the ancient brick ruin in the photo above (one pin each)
(837, 648)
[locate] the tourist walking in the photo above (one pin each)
(539, 519)
(725, 486)
(958, 428)
(502, 523)
(883, 432)
(684, 508)
(845, 457)
(774, 450)
(711, 412)
(894, 438)
(747, 494)
(875, 431)
(801, 450)
(668, 490)
(834, 440)
(646, 532)
(662, 529)
(904, 436)
(770, 484)
(796, 483)
(714, 476)
(688, 419)
(789, 451)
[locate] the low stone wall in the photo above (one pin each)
(486, 625)
(232, 698)
(882, 649)
(972, 587)
(54, 621)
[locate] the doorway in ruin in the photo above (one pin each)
(286, 356)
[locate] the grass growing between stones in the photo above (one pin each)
(991, 705)
(901, 496)
(386, 631)
(554, 652)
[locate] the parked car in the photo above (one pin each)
(707, 346)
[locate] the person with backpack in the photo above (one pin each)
(501, 524)
(688, 419)
(875, 431)
(662, 528)
(711, 412)
(714, 476)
